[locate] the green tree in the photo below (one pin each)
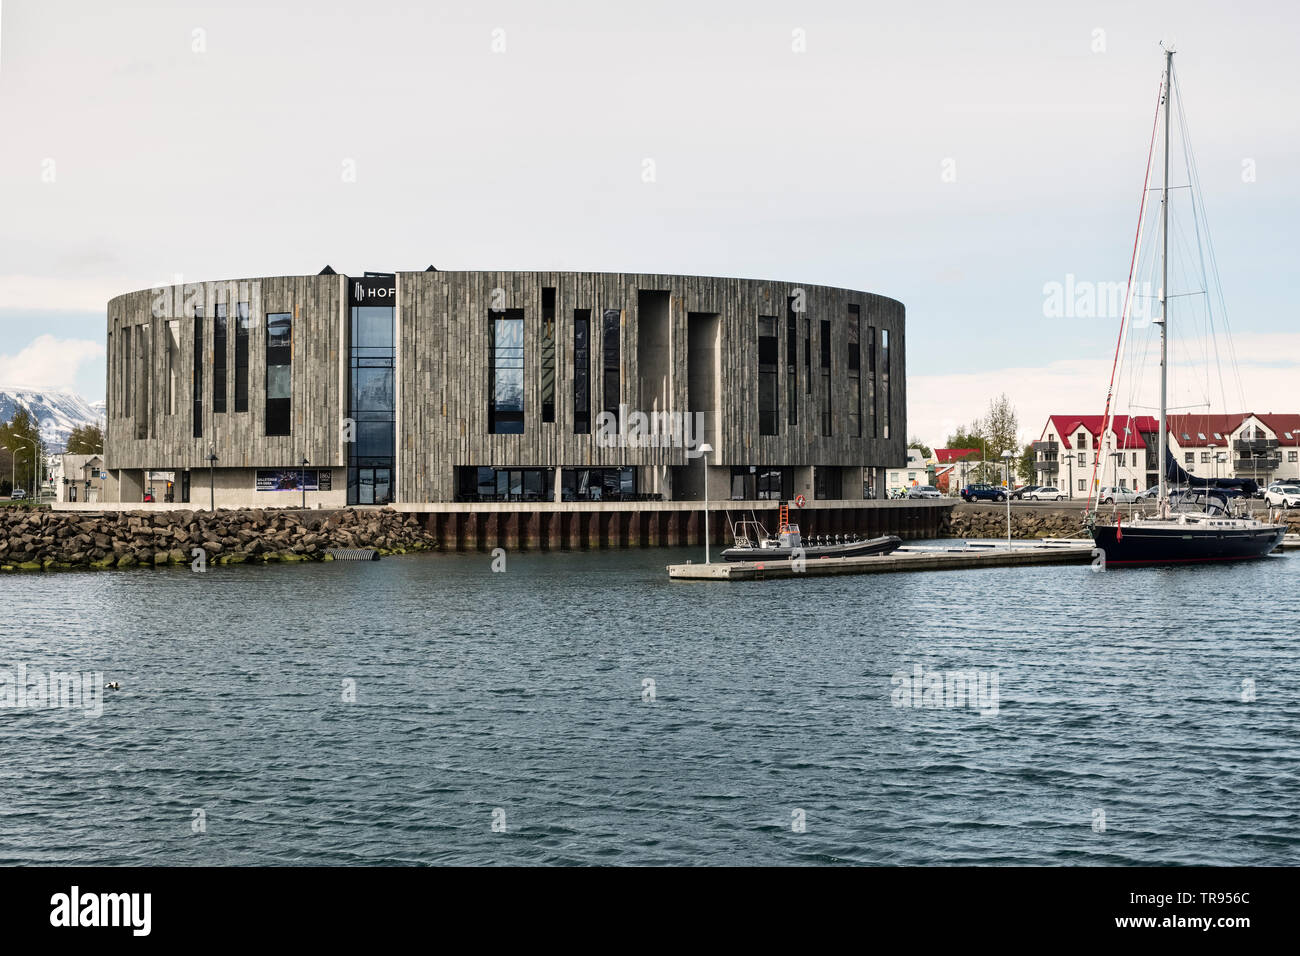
(18, 435)
(86, 440)
(915, 442)
(1025, 466)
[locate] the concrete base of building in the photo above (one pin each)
(580, 526)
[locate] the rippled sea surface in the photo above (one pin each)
(520, 698)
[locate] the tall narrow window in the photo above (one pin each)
(855, 371)
(792, 360)
(609, 346)
(372, 405)
(807, 353)
(768, 404)
(279, 372)
(219, 360)
(582, 371)
(825, 334)
(144, 381)
(128, 365)
(884, 377)
(173, 355)
(506, 361)
(548, 355)
(871, 378)
(241, 357)
(197, 384)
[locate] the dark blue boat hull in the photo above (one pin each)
(1146, 545)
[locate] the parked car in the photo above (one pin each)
(1150, 494)
(18, 495)
(1022, 491)
(983, 493)
(1287, 496)
(1110, 496)
(1046, 493)
(924, 491)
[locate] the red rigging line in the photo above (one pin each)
(1128, 298)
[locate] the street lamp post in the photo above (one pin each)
(36, 489)
(302, 481)
(705, 449)
(13, 468)
(1006, 457)
(212, 478)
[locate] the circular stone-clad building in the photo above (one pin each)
(419, 388)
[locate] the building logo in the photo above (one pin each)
(382, 288)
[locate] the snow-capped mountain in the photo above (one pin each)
(58, 410)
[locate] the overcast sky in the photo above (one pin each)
(958, 157)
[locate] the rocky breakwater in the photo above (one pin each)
(32, 540)
(986, 521)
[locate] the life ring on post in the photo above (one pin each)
(798, 501)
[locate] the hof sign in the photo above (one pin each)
(373, 289)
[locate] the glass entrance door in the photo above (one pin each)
(374, 486)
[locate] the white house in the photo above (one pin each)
(915, 472)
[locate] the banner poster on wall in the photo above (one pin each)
(294, 479)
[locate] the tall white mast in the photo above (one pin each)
(1163, 453)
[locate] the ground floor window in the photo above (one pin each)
(598, 484)
(503, 484)
(826, 483)
(762, 482)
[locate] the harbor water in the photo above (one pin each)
(580, 708)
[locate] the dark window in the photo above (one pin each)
(143, 413)
(279, 372)
(807, 353)
(609, 346)
(826, 483)
(792, 361)
(871, 378)
(884, 377)
(506, 361)
(219, 360)
(855, 371)
(768, 399)
(241, 357)
(826, 375)
(598, 484)
(503, 484)
(548, 355)
(582, 371)
(763, 482)
(198, 371)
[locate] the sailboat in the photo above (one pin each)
(1199, 525)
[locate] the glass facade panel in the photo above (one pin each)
(611, 384)
(372, 405)
(219, 360)
(279, 373)
(241, 357)
(768, 399)
(582, 371)
(506, 361)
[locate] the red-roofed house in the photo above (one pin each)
(951, 467)
(1063, 454)
(1240, 445)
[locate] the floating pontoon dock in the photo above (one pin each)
(958, 556)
